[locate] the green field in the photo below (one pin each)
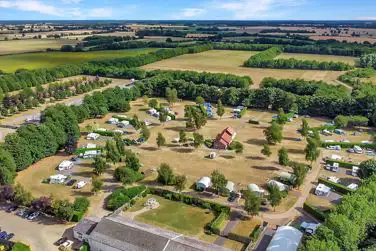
(10, 63)
(177, 216)
(32, 45)
(321, 58)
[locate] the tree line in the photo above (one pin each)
(368, 61)
(260, 58)
(355, 77)
(160, 32)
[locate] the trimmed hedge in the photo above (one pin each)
(337, 187)
(217, 223)
(343, 164)
(106, 133)
(239, 238)
(318, 214)
(348, 144)
(77, 216)
(124, 195)
(83, 150)
(256, 233)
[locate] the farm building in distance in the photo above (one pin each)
(224, 139)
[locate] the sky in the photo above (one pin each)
(188, 9)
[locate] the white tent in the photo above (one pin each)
(335, 157)
(57, 179)
(281, 186)
(230, 186)
(65, 165)
(255, 189)
(322, 190)
(91, 154)
(80, 184)
(203, 183)
(286, 238)
(92, 136)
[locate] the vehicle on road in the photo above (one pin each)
(61, 241)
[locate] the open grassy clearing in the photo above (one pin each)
(245, 227)
(177, 216)
(30, 45)
(11, 63)
(321, 58)
(231, 62)
(234, 245)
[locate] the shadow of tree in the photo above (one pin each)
(227, 156)
(183, 150)
(257, 142)
(267, 168)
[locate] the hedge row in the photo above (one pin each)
(105, 133)
(348, 144)
(239, 238)
(217, 223)
(341, 163)
(124, 195)
(318, 214)
(337, 187)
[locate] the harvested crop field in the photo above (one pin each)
(321, 58)
(11, 63)
(227, 61)
(30, 45)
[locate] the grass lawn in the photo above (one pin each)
(245, 227)
(20, 46)
(177, 216)
(228, 61)
(10, 63)
(321, 58)
(234, 245)
(20, 247)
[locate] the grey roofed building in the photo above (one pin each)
(119, 233)
(85, 227)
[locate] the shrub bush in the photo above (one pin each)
(77, 216)
(127, 175)
(314, 211)
(217, 223)
(239, 238)
(122, 195)
(81, 204)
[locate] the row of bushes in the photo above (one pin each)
(337, 187)
(349, 144)
(260, 57)
(239, 238)
(106, 133)
(123, 195)
(317, 213)
(343, 164)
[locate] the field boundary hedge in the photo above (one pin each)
(343, 164)
(312, 210)
(337, 187)
(348, 144)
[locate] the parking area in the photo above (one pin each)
(40, 233)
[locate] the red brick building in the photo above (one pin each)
(224, 139)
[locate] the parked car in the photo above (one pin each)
(71, 182)
(61, 241)
(21, 212)
(27, 214)
(74, 158)
(10, 236)
(12, 208)
(66, 245)
(33, 216)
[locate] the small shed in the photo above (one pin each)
(281, 186)
(230, 186)
(203, 183)
(57, 179)
(322, 190)
(92, 136)
(255, 189)
(65, 165)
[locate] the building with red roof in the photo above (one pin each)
(224, 139)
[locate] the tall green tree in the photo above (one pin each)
(273, 133)
(283, 157)
(63, 209)
(119, 144)
(100, 165)
(252, 203)
(305, 128)
(311, 151)
(218, 180)
(282, 117)
(145, 132)
(220, 109)
(300, 172)
(161, 141)
(200, 100)
(112, 153)
(180, 182)
(7, 168)
(275, 196)
(153, 103)
(367, 168)
(132, 161)
(21, 196)
(198, 140)
(166, 175)
(96, 184)
(182, 137)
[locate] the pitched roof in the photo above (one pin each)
(230, 130)
(86, 225)
(123, 233)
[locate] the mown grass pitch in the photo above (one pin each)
(30, 45)
(11, 63)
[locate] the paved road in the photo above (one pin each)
(39, 234)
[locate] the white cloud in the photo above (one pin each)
(245, 9)
(71, 1)
(99, 12)
(192, 12)
(366, 18)
(31, 5)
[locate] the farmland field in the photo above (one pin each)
(321, 58)
(231, 62)
(30, 45)
(10, 63)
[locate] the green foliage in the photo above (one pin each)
(219, 181)
(200, 100)
(96, 184)
(300, 172)
(18, 246)
(275, 196)
(343, 164)
(145, 132)
(180, 182)
(220, 109)
(100, 165)
(132, 161)
(257, 59)
(195, 117)
(122, 195)
(63, 209)
(367, 168)
(282, 117)
(254, 122)
(166, 175)
(81, 204)
(317, 213)
(350, 121)
(273, 133)
(153, 103)
(7, 168)
(112, 152)
(252, 203)
(305, 128)
(21, 196)
(127, 175)
(236, 146)
(349, 144)
(182, 137)
(171, 95)
(368, 61)
(161, 141)
(335, 186)
(311, 151)
(266, 150)
(283, 157)
(198, 140)
(119, 144)
(216, 225)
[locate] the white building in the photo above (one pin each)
(65, 165)
(57, 179)
(286, 238)
(92, 136)
(203, 183)
(322, 190)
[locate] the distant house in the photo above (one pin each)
(65, 165)
(57, 179)
(286, 238)
(224, 139)
(203, 183)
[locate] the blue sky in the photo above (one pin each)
(188, 9)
